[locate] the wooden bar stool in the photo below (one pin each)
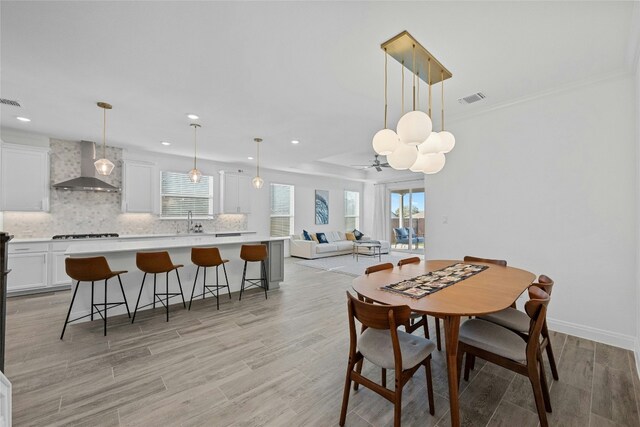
(92, 270)
(255, 253)
(209, 257)
(155, 263)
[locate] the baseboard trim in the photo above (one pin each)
(615, 339)
(636, 354)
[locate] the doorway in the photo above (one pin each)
(407, 219)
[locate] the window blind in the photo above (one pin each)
(351, 210)
(282, 200)
(179, 195)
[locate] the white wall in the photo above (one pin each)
(549, 184)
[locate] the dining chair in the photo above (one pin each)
(499, 262)
(518, 322)
(415, 316)
(379, 267)
(384, 345)
(499, 345)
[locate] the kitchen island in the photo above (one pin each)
(121, 255)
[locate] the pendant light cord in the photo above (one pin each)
(402, 87)
(385, 88)
(413, 77)
(442, 98)
(258, 159)
(195, 146)
(104, 133)
(429, 65)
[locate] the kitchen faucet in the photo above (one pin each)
(189, 222)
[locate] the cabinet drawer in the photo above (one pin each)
(21, 248)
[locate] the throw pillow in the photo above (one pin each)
(401, 233)
(322, 238)
(306, 235)
(350, 236)
(358, 234)
(314, 237)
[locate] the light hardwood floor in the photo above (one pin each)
(276, 362)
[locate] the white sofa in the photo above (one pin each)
(338, 245)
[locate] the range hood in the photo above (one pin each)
(87, 180)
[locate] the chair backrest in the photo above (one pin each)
(499, 262)
(545, 283)
(379, 267)
(253, 253)
(154, 262)
(206, 257)
(536, 309)
(412, 260)
(88, 269)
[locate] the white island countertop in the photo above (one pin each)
(130, 236)
(102, 246)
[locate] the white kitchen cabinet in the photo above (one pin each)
(235, 193)
(58, 270)
(24, 178)
(28, 265)
(137, 179)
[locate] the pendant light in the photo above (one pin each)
(415, 126)
(385, 141)
(104, 166)
(447, 140)
(195, 174)
(257, 182)
(432, 144)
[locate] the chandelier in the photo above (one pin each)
(415, 145)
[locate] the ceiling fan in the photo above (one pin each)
(375, 164)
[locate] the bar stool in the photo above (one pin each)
(255, 253)
(209, 257)
(156, 263)
(92, 270)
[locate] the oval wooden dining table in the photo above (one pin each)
(491, 290)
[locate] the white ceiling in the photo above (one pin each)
(310, 71)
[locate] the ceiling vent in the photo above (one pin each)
(470, 99)
(11, 102)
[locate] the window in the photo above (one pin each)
(351, 210)
(179, 195)
(281, 210)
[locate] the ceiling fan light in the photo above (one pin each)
(104, 166)
(195, 175)
(447, 141)
(385, 142)
(403, 158)
(414, 127)
(434, 163)
(431, 145)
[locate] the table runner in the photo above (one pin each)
(425, 284)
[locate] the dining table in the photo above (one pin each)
(488, 291)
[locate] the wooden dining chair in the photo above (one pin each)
(499, 345)
(379, 267)
(415, 316)
(500, 262)
(384, 345)
(518, 322)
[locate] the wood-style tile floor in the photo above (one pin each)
(276, 362)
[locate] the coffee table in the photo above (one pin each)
(372, 247)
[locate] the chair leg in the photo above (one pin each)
(244, 275)
(552, 359)
(154, 290)
(468, 362)
(193, 291)
(473, 363)
(397, 403)
(427, 370)
(383, 377)
(358, 370)
(264, 279)
(226, 278)
(92, 300)
(544, 385)
(438, 334)
(217, 288)
(105, 308)
(184, 303)
(459, 363)
(204, 283)
(66, 321)
(345, 394)
(426, 327)
(139, 295)
(537, 393)
(166, 295)
(124, 297)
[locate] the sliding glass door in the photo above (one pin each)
(407, 219)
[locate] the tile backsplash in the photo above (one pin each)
(92, 212)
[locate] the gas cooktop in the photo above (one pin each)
(84, 236)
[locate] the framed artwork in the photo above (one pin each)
(322, 207)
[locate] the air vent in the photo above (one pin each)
(470, 99)
(10, 102)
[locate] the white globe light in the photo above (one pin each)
(414, 127)
(434, 163)
(447, 141)
(403, 158)
(385, 142)
(432, 145)
(420, 163)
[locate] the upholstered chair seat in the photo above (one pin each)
(494, 338)
(376, 346)
(511, 318)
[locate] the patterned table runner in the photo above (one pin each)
(434, 281)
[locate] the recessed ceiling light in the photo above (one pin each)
(193, 116)
(249, 158)
(165, 143)
(23, 119)
(295, 141)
